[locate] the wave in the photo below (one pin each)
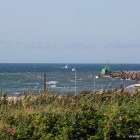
(2, 74)
(17, 93)
(31, 83)
(90, 76)
(53, 86)
(80, 79)
(52, 82)
(36, 86)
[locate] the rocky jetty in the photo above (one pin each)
(126, 75)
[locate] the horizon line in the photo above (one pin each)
(58, 63)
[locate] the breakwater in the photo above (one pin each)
(131, 75)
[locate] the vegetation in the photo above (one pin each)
(103, 115)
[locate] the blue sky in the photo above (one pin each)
(74, 31)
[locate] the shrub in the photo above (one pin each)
(110, 116)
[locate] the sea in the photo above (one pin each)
(16, 77)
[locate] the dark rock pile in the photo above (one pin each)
(126, 75)
(133, 75)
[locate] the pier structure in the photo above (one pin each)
(126, 75)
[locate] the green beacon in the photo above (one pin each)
(106, 69)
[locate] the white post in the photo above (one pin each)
(75, 81)
(74, 69)
(94, 83)
(95, 77)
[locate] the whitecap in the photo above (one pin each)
(31, 83)
(80, 79)
(90, 76)
(16, 93)
(2, 73)
(53, 86)
(73, 87)
(52, 82)
(36, 83)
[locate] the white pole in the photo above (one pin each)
(74, 69)
(94, 83)
(75, 81)
(95, 77)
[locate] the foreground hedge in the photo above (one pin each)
(81, 117)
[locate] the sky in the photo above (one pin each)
(69, 31)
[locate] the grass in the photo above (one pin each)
(88, 115)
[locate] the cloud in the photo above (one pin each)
(78, 45)
(3, 42)
(118, 45)
(38, 45)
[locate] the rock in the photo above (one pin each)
(126, 75)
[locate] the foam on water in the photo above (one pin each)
(16, 93)
(90, 76)
(52, 82)
(2, 74)
(36, 86)
(80, 79)
(53, 86)
(31, 83)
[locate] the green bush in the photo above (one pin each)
(92, 116)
